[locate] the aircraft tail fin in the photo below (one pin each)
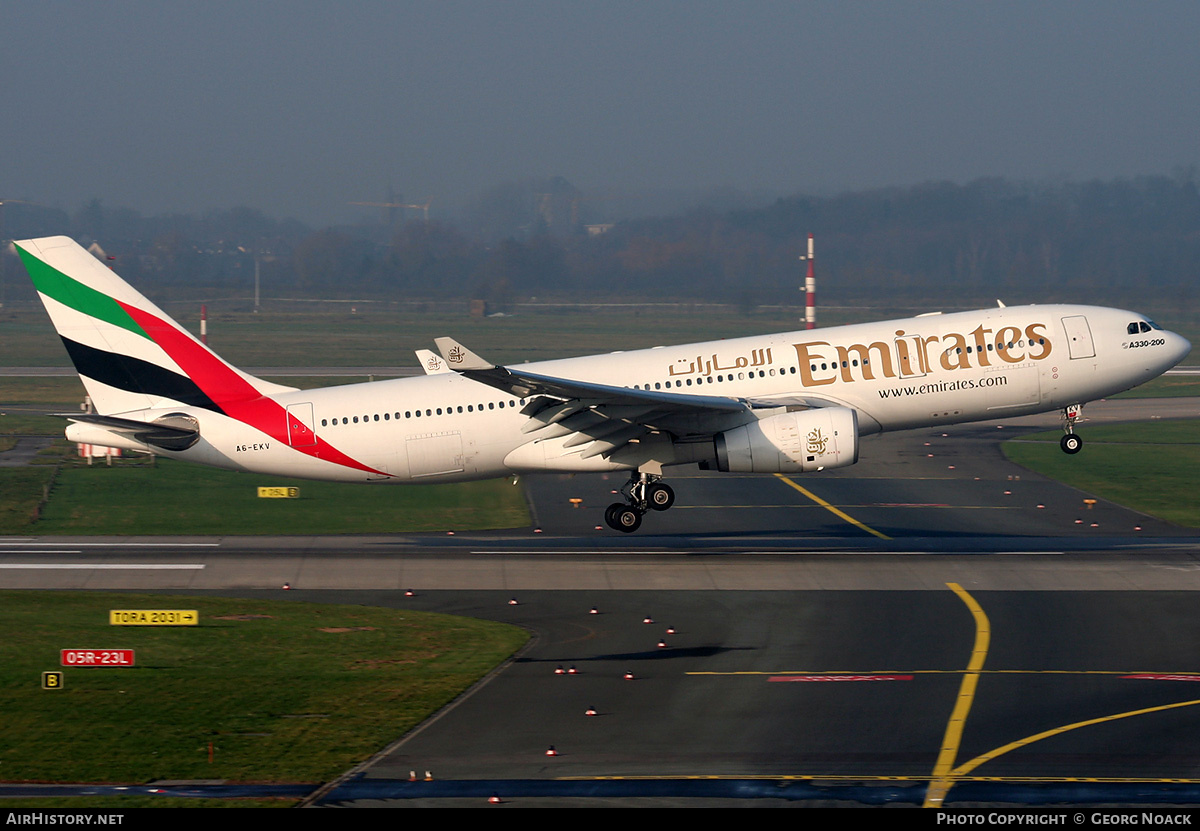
(129, 354)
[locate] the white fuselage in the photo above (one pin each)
(924, 371)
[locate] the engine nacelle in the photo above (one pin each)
(807, 440)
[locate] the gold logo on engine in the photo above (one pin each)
(817, 441)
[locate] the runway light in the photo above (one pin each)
(628, 676)
(537, 530)
(494, 799)
(1079, 522)
(558, 670)
(662, 644)
(670, 630)
(409, 593)
(950, 467)
(513, 602)
(1095, 525)
(550, 751)
(1008, 493)
(1137, 528)
(647, 619)
(571, 670)
(590, 711)
(412, 776)
(1040, 505)
(598, 528)
(449, 533)
(287, 586)
(594, 611)
(428, 776)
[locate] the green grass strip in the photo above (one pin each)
(1150, 467)
(284, 691)
(180, 498)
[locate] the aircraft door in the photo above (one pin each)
(1079, 337)
(910, 357)
(300, 425)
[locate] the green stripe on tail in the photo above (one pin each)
(53, 283)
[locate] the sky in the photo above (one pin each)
(297, 108)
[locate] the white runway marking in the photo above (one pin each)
(108, 566)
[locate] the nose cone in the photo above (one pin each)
(1179, 347)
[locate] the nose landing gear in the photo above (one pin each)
(1071, 443)
(643, 492)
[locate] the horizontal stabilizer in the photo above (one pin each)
(171, 432)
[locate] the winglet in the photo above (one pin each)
(458, 357)
(431, 364)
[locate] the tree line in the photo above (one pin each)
(1111, 241)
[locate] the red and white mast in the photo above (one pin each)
(810, 290)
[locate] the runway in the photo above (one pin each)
(825, 630)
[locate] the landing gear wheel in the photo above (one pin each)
(1071, 443)
(627, 519)
(610, 515)
(660, 496)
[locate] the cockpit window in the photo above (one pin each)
(1132, 328)
(1145, 326)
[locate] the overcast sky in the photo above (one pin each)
(298, 107)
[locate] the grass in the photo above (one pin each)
(386, 334)
(285, 692)
(1166, 386)
(169, 497)
(21, 491)
(1150, 467)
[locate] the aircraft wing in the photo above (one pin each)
(606, 416)
(525, 384)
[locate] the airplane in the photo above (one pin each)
(795, 402)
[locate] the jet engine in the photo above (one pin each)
(802, 441)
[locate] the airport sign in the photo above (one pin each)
(153, 617)
(96, 657)
(278, 493)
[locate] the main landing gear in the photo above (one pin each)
(1071, 443)
(643, 492)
